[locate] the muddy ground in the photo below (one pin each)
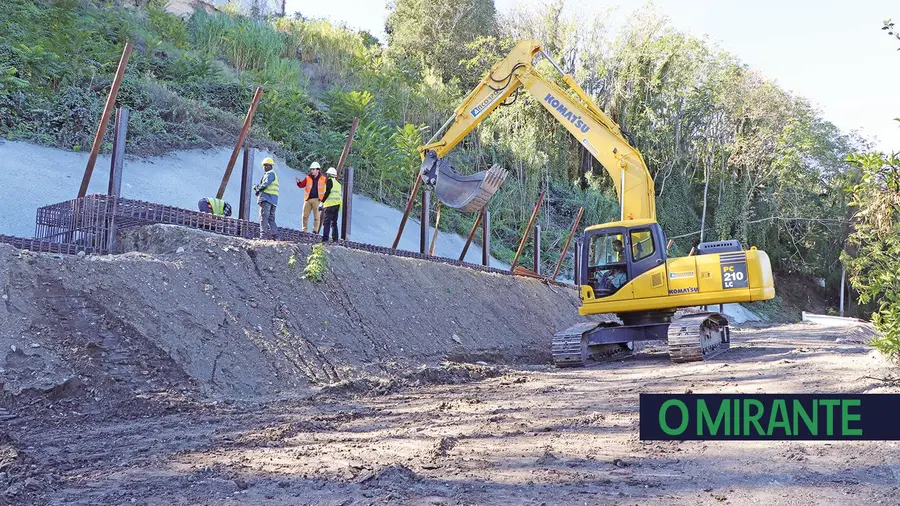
(518, 435)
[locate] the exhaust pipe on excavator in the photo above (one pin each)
(466, 193)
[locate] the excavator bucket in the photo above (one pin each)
(467, 193)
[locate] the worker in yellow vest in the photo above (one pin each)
(315, 187)
(215, 206)
(332, 205)
(267, 193)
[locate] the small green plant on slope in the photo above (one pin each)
(316, 264)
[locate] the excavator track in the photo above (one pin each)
(698, 337)
(570, 348)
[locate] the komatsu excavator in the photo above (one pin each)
(624, 266)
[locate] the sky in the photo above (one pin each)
(834, 53)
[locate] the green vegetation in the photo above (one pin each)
(733, 154)
(316, 264)
(872, 255)
(874, 258)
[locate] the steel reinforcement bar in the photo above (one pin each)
(85, 224)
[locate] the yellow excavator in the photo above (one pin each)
(624, 265)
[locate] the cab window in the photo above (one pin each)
(606, 249)
(641, 244)
(607, 264)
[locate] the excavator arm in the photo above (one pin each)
(596, 131)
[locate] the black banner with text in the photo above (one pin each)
(770, 416)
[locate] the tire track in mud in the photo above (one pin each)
(283, 315)
(353, 314)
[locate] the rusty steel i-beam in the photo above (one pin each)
(537, 207)
(248, 120)
(346, 152)
(104, 120)
(409, 206)
(562, 256)
(462, 256)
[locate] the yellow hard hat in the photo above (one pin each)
(268, 161)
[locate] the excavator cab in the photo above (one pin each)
(615, 253)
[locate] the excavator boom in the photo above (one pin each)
(579, 115)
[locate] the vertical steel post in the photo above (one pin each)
(562, 256)
(347, 205)
(577, 261)
(485, 237)
(409, 206)
(120, 130)
(246, 198)
(424, 219)
(437, 223)
(537, 248)
(462, 255)
(104, 120)
(114, 188)
(537, 207)
(843, 277)
(248, 120)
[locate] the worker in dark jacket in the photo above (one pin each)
(331, 206)
(215, 206)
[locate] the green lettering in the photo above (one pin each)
(662, 417)
(754, 418)
(846, 418)
(811, 423)
(737, 417)
(703, 416)
(829, 415)
(779, 410)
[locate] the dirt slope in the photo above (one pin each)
(187, 313)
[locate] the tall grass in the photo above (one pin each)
(335, 49)
(245, 43)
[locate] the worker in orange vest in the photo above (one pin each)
(314, 184)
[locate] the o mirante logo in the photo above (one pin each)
(769, 416)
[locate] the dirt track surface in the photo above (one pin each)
(532, 435)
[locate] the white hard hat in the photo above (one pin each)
(331, 172)
(314, 165)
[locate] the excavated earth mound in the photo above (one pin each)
(186, 314)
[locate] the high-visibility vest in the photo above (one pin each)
(272, 189)
(321, 185)
(335, 197)
(217, 205)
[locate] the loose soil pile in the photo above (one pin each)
(189, 314)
